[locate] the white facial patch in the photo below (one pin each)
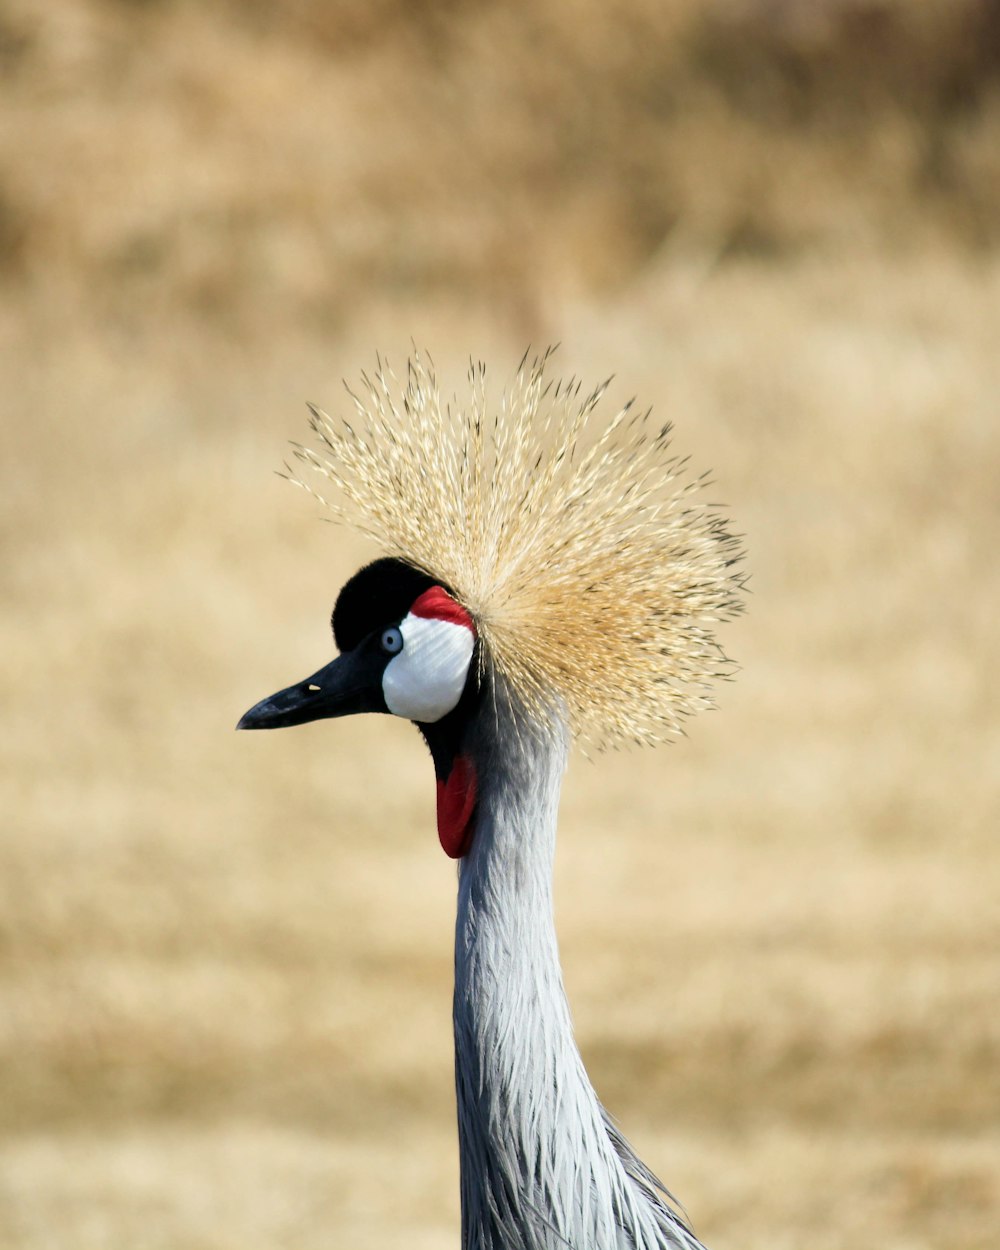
(425, 680)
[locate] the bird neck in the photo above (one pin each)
(539, 1165)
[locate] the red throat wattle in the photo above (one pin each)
(456, 802)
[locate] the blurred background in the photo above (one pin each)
(225, 961)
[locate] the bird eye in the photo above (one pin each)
(391, 641)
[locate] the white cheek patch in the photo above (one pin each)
(425, 680)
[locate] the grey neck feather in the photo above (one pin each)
(542, 1166)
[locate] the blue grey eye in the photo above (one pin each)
(391, 641)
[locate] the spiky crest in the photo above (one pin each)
(594, 571)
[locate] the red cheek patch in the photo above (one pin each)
(437, 605)
(456, 801)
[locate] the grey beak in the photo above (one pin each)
(349, 684)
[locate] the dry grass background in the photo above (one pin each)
(225, 961)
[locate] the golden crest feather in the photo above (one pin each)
(595, 573)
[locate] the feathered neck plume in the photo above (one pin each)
(578, 541)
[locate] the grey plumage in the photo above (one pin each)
(542, 1167)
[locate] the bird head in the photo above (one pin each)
(406, 648)
(532, 546)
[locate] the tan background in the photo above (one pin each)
(225, 960)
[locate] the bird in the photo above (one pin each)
(548, 575)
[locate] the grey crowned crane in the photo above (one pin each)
(546, 575)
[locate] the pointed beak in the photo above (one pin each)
(349, 684)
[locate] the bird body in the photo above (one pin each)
(539, 584)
